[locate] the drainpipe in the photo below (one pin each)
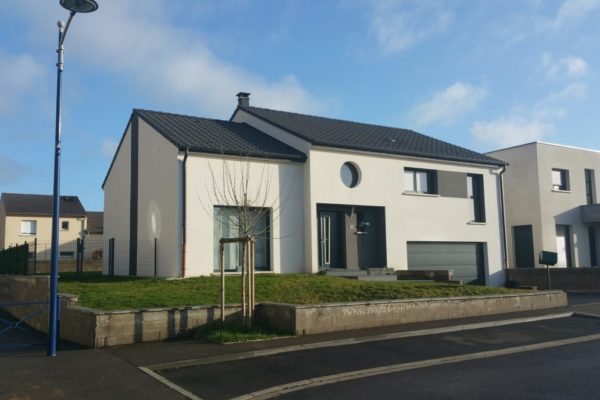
(184, 214)
(503, 216)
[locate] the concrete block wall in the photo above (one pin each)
(95, 328)
(312, 319)
(560, 278)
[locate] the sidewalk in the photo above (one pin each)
(113, 372)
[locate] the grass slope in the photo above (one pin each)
(120, 293)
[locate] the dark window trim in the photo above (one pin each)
(478, 197)
(590, 196)
(432, 186)
(564, 178)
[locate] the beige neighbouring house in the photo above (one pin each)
(28, 218)
(551, 204)
(340, 195)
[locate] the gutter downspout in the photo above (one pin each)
(184, 213)
(503, 216)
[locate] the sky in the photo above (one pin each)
(480, 74)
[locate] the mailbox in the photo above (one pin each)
(548, 258)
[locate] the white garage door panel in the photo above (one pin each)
(461, 258)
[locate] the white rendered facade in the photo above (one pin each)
(297, 194)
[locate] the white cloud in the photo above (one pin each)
(570, 67)
(448, 104)
(172, 64)
(11, 170)
(400, 24)
(108, 147)
(530, 125)
(505, 132)
(19, 75)
(572, 11)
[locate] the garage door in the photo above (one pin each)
(464, 259)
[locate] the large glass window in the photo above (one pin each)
(420, 180)
(229, 223)
(28, 227)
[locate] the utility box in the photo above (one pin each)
(548, 258)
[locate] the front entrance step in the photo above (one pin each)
(381, 271)
(378, 278)
(344, 272)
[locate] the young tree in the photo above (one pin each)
(244, 188)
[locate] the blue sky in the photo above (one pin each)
(480, 74)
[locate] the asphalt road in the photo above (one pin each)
(569, 372)
(519, 375)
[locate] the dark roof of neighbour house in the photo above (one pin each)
(215, 136)
(95, 222)
(329, 132)
(40, 205)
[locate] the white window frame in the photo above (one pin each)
(30, 223)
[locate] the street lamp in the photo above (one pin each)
(74, 6)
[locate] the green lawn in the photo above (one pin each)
(120, 293)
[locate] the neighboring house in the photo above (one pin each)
(551, 204)
(342, 195)
(28, 218)
(94, 235)
(95, 225)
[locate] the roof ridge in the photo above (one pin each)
(38, 194)
(185, 116)
(333, 119)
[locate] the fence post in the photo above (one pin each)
(77, 256)
(111, 257)
(35, 256)
(26, 262)
(155, 252)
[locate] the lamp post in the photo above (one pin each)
(74, 6)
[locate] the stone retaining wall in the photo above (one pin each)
(321, 318)
(94, 328)
(560, 278)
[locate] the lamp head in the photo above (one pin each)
(80, 6)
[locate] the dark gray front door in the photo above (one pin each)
(331, 239)
(523, 240)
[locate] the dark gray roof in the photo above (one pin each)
(41, 204)
(95, 222)
(204, 135)
(337, 133)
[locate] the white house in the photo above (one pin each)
(338, 194)
(551, 204)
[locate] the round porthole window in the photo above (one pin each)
(349, 174)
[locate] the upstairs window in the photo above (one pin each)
(475, 193)
(64, 225)
(560, 179)
(590, 189)
(28, 227)
(420, 181)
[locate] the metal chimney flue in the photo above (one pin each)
(243, 99)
